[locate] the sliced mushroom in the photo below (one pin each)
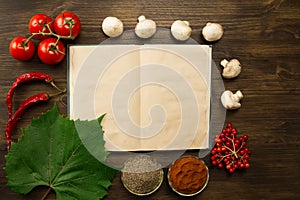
(231, 69)
(231, 101)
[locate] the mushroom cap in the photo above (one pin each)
(112, 26)
(145, 28)
(181, 30)
(232, 69)
(212, 32)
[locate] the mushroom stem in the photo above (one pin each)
(141, 18)
(237, 96)
(224, 62)
(187, 23)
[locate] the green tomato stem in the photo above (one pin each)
(27, 40)
(51, 33)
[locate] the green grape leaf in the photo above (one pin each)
(51, 152)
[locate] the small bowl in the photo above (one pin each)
(131, 190)
(200, 189)
(148, 193)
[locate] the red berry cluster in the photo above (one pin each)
(230, 151)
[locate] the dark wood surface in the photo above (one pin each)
(264, 35)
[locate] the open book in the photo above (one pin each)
(156, 97)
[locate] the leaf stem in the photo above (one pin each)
(46, 194)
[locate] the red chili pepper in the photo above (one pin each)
(26, 78)
(42, 97)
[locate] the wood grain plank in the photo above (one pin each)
(264, 35)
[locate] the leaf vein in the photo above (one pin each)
(70, 158)
(74, 179)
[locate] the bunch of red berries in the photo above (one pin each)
(230, 151)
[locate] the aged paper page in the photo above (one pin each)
(156, 97)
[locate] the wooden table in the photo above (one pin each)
(263, 35)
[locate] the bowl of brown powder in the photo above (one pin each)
(142, 175)
(188, 176)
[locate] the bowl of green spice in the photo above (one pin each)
(142, 175)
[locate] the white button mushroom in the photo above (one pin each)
(212, 32)
(181, 30)
(231, 69)
(145, 28)
(112, 26)
(231, 101)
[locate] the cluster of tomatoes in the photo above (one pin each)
(50, 49)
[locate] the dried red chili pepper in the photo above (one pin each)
(42, 97)
(31, 76)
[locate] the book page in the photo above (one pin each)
(156, 97)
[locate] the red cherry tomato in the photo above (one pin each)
(67, 23)
(51, 53)
(20, 50)
(38, 23)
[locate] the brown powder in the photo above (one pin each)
(188, 175)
